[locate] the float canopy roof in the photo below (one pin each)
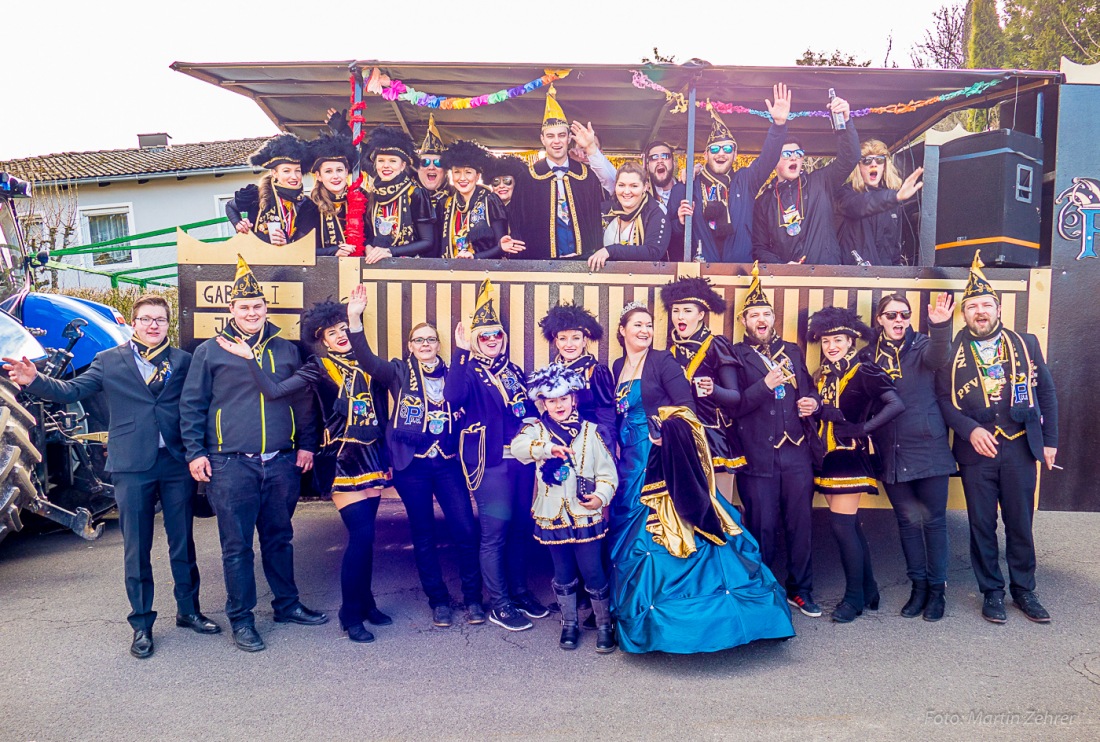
(295, 95)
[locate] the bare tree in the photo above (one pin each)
(659, 58)
(944, 44)
(49, 218)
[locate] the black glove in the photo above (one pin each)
(831, 414)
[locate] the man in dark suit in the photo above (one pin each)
(779, 441)
(998, 396)
(142, 381)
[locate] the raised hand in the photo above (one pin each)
(910, 186)
(940, 310)
(357, 304)
(461, 340)
(839, 105)
(781, 109)
(583, 136)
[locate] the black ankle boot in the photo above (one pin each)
(570, 627)
(917, 599)
(934, 608)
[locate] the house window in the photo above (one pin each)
(109, 225)
(226, 229)
(34, 232)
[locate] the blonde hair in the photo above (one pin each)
(324, 198)
(421, 326)
(890, 177)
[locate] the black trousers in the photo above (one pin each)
(1007, 481)
(136, 494)
(786, 498)
(416, 484)
(921, 509)
(504, 507)
(251, 496)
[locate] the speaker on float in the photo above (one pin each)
(990, 186)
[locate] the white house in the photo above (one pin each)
(116, 193)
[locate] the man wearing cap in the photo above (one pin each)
(998, 396)
(560, 209)
(722, 199)
(251, 452)
(779, 441)
(270, 209)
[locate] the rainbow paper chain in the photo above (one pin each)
(398, 90)
(680, 102)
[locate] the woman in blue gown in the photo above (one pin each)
(682, 582)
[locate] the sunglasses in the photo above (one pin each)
(424, 341)
(894, 315)
(716, 148)
(666, 156)
(491, 335)
(502, 180)
(873, 160)
(430, 162)
(792, 154)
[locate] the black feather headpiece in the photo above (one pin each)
(320, 317)
(570, 317)
(285, 149)
(837, 321)
(696, 290)
(329, 148)
(465, 153)
(388, 140)
(506, 165)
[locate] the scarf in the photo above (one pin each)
(584, 364)
(555, 471)
(332, 224)
(458, 220)
(390, 211)
(834, 377)
(277, 204)
(888, 352)
(978, 383)
(715, 187)
(691, 351)
(258, 342)
(162, 369)
(415, 417)
(353, 392)
(504, 377)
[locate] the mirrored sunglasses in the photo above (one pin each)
(658, 156)
(791, 154)
(491, 335)
(430, 162)
(716, 148)
(502, 180)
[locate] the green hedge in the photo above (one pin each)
(123, 300)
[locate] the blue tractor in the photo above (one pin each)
(51, 455)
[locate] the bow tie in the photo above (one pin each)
(559, 169)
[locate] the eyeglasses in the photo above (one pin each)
(491, 335)
(873, 160)
(658, 156)
(505, 180)
(894, 315)
(146, 321)
(716, 148)
(430, 161)
(424, 341)
(793, 154)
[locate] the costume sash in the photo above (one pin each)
(391, 210)
(835, 376)
(691, 352)
(888, 353)
(162, 369)
(416, 413)
(976, 385)
(353, 388)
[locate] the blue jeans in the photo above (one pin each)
(416, 484)
(921, 509)
(250, 496)
(504, 507)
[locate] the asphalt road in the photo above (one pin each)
(68, 675)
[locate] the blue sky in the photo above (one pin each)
(94, 76)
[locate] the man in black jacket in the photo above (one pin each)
(793, 220)
(773, 422)
(998, 397)
(142, 381)
(244, 445)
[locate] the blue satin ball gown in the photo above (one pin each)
(717, 598)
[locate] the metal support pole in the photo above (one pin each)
(356, 127)
(1039, 115)
(689, 174)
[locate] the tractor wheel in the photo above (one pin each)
(18, 457)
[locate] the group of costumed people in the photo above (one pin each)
(458, 200)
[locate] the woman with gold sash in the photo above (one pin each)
(353, 462)
(685, 576)
(400, 220)
(474, 221)
(330, 158)
(639, 228)
(857, 398)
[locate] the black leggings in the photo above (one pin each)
(585, 559)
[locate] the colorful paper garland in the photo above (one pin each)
(399, 91)
(680, 102)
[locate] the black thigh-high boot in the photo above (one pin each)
(870, 587)
(357, 566)
(851, 558)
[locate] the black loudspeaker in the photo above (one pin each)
(990, 186)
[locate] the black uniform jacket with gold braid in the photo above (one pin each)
(475, 226)
(328, 229)
(417, 425)
(222, 410)
(495, 405)
(1028, 398)
(538, 210)
(400, 217)
(649, 237)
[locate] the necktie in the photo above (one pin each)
(559, 169)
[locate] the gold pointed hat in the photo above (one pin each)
(245, 285)
(719, 132)
(433, 142)
(756, 296)
(553, 116)
(978, 285)
(485, 315)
